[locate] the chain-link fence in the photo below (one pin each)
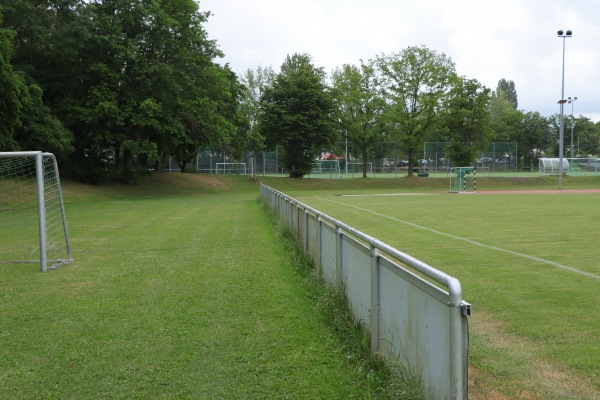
(220, 162)
(498, 157)
(382, 159)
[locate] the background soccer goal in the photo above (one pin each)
(357, 167)
(231, 168)
(459, 182)
(328, 167)
(32, 214)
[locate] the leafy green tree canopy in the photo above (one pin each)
(508, 91)
(414, 84)
(296, 113)
(467, 119)
(14, 97)
(358, 107)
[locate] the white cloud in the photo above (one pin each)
(488, 40)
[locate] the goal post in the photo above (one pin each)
(458, 179)
(32, 213)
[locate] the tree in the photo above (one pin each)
(296, 113)
(14, 97)
(162, 85)
(467, 119)
(41, 130)
(505, 119)
(45, 49)
(134, 80)
(253, 84)
(508, 91)
(414, 84)
(358, 107)
(587, 137)
(534, 138)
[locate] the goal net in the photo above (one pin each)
(327, 167)
(33, 226)
(357, 167)
(231, 168)
(459, 182)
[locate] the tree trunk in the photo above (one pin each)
(158, 166)
(364, 155)
(411, 160)
(117, 159)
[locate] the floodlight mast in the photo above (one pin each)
(562, 101)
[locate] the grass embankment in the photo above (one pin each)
(527, 263)
(366, 185)
(181, 288)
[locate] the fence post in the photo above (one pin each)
(305, 231)
(297, 221)
(282, 209)
(338, 257)
(319, 246)
(374, 254)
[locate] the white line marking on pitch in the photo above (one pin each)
(514, 253)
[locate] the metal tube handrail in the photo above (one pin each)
(451, 283)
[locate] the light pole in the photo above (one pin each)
(562, 101)
(572, 100)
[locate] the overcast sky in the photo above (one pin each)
(487, 39)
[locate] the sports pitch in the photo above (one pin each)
(528, 264)
(180, 288)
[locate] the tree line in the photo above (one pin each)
(405, 99)
(115, 87)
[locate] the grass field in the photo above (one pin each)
(181, 287)
(528, 264)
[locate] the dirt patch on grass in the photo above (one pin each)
(540, 378)
(189, 181)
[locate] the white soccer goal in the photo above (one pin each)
(357, 167)
(328, 167)
(230, 168)
(33, 226)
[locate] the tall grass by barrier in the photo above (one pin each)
(414, 313)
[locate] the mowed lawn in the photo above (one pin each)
(529, 264)
(182, 292)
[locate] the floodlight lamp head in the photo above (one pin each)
(569, 33)
(560, 33)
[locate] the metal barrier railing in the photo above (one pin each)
(413, 312)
